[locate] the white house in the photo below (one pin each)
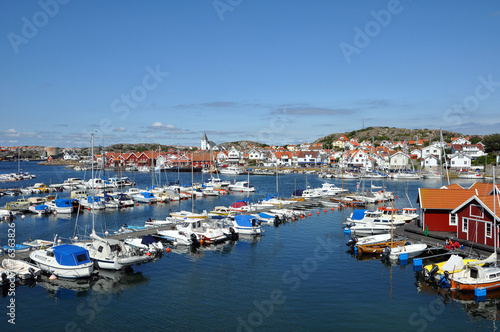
(430, 161)
(399, 160)
(257, 155)
(70, 156)
(431, 150)
(234, 155)
(459, 160)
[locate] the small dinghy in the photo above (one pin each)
(22, 269)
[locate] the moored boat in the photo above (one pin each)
(66, 261)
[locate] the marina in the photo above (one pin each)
(300, 266)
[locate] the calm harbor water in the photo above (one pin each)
(296, 277)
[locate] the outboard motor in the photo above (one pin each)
(385, 253)
(352, 242)
(234, 235)
(276, 221)
(32, 272)
(433, 272)
(445, 280)
(5, 280)
(194, 239)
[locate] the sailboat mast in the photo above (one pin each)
(192, 184)
(93, 186)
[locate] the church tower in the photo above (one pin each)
(204, 142)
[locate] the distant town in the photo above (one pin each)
(459, 154)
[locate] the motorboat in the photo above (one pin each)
(454, 264)
(168, 221)
(39, 209)
(203, 233)
(112, 254)
(182, 215)
(144, 197)
(369, 239)
(376, 217)
(411, 250)
(378, 248)
(38, 244)
(147, 243)
(61, 205)
(369, 228)
(65, 261)
(242, 186)
(176, 236)
(247, 224)
(231, 170)
(92, 202)
(22, 269)
(124, 199)
(225, 224)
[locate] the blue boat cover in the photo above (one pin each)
(358, 214)
(41, 207)
(71, 255)
(146, 194)
(244, 220)
(62, 202)
(265, 215)
(148, 239)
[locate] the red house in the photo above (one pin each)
(475, 218)
(436, 206)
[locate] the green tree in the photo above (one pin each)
(492, 143)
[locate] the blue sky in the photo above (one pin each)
(276, 72)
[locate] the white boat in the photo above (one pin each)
(216, 183)
(475, 175)
(232, 170)
(65, 261)
(247, 224)
(168, 221)
(144, 197)
(22, 269)
(369, 228)
(375, 217)
(92, 202)
(176, 236)
(39, 209)
(124, 199)
(369, 239)
(38, 243)
(242, 186)
(111, 254)
(207, 234)
(182, 215)
(147, 243)
(412, 250)
(60, 205)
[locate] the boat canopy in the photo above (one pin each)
(245, 220)
(41, 207)
(148, 239)
(70, 255)
(358, 214)
(239, 204)
(62, 202)
(454, 263)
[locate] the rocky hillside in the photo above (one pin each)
(391, 133)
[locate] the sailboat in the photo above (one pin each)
(111, 253)
(482, 273)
